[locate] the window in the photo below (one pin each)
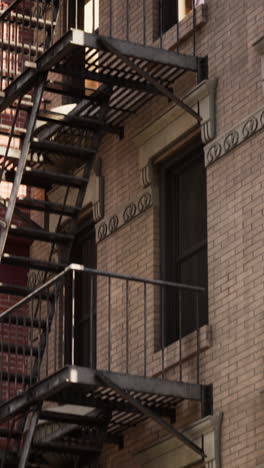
(184, 239)
(173, 11)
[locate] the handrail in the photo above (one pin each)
(77, 267)
(53, 325)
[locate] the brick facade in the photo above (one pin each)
(232, 343)
(234, 360)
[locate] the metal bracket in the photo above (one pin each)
(108, 46)
(108, 382)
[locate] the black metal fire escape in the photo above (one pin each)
(36, 59)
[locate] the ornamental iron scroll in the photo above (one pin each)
(144, 202)
(129, 212)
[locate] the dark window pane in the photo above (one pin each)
(184, 242)
(169, 14)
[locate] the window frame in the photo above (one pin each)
(183, 158)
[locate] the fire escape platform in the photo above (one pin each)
(135, 73)
(107, 391)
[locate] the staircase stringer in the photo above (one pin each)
(97, 139)
(25, 148)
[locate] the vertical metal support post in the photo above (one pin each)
(109, 323)
(8, 359)
(127, 20)
(31, 307)
(2, 54)
(76, 14)
(161, 22)
(177, 28)
(180, 335)
(23, 352)
(38, 362)
(67, 314)
(194, 27)
(93, 28)
(67, 15)
(91, 322)
(15, 68)
(110, 19)
(162, 332)
(145, 330)
(56, 317)
(127, 327)
(16, 325)
(197, 318)
(144, 23)
(23, 36)
(8, 57)
(73, 325)
(2, 396)
(29, 437)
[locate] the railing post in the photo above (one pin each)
(73, 279)
(180, 335)
(91, 360)
(68, 319)
(127, 326)
(197, 316)
(109, 323)
(145, 330)
(162, 331)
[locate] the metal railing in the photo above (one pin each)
(99, 320)
(28, 28)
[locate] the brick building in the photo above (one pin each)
(142, 161)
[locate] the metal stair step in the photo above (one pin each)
(39, 234)
(79, 122)
(14, 290)
(47, 206)
(25, 350)
(73, 419)
(29, 262)
(21, 321)
(65, 447)
(45, 146)
(45, 179)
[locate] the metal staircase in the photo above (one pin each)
(39, 58)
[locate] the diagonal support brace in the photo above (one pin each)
(107, 381)
(166, 92)
(29, 437)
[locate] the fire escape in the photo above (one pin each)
(44, 49)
